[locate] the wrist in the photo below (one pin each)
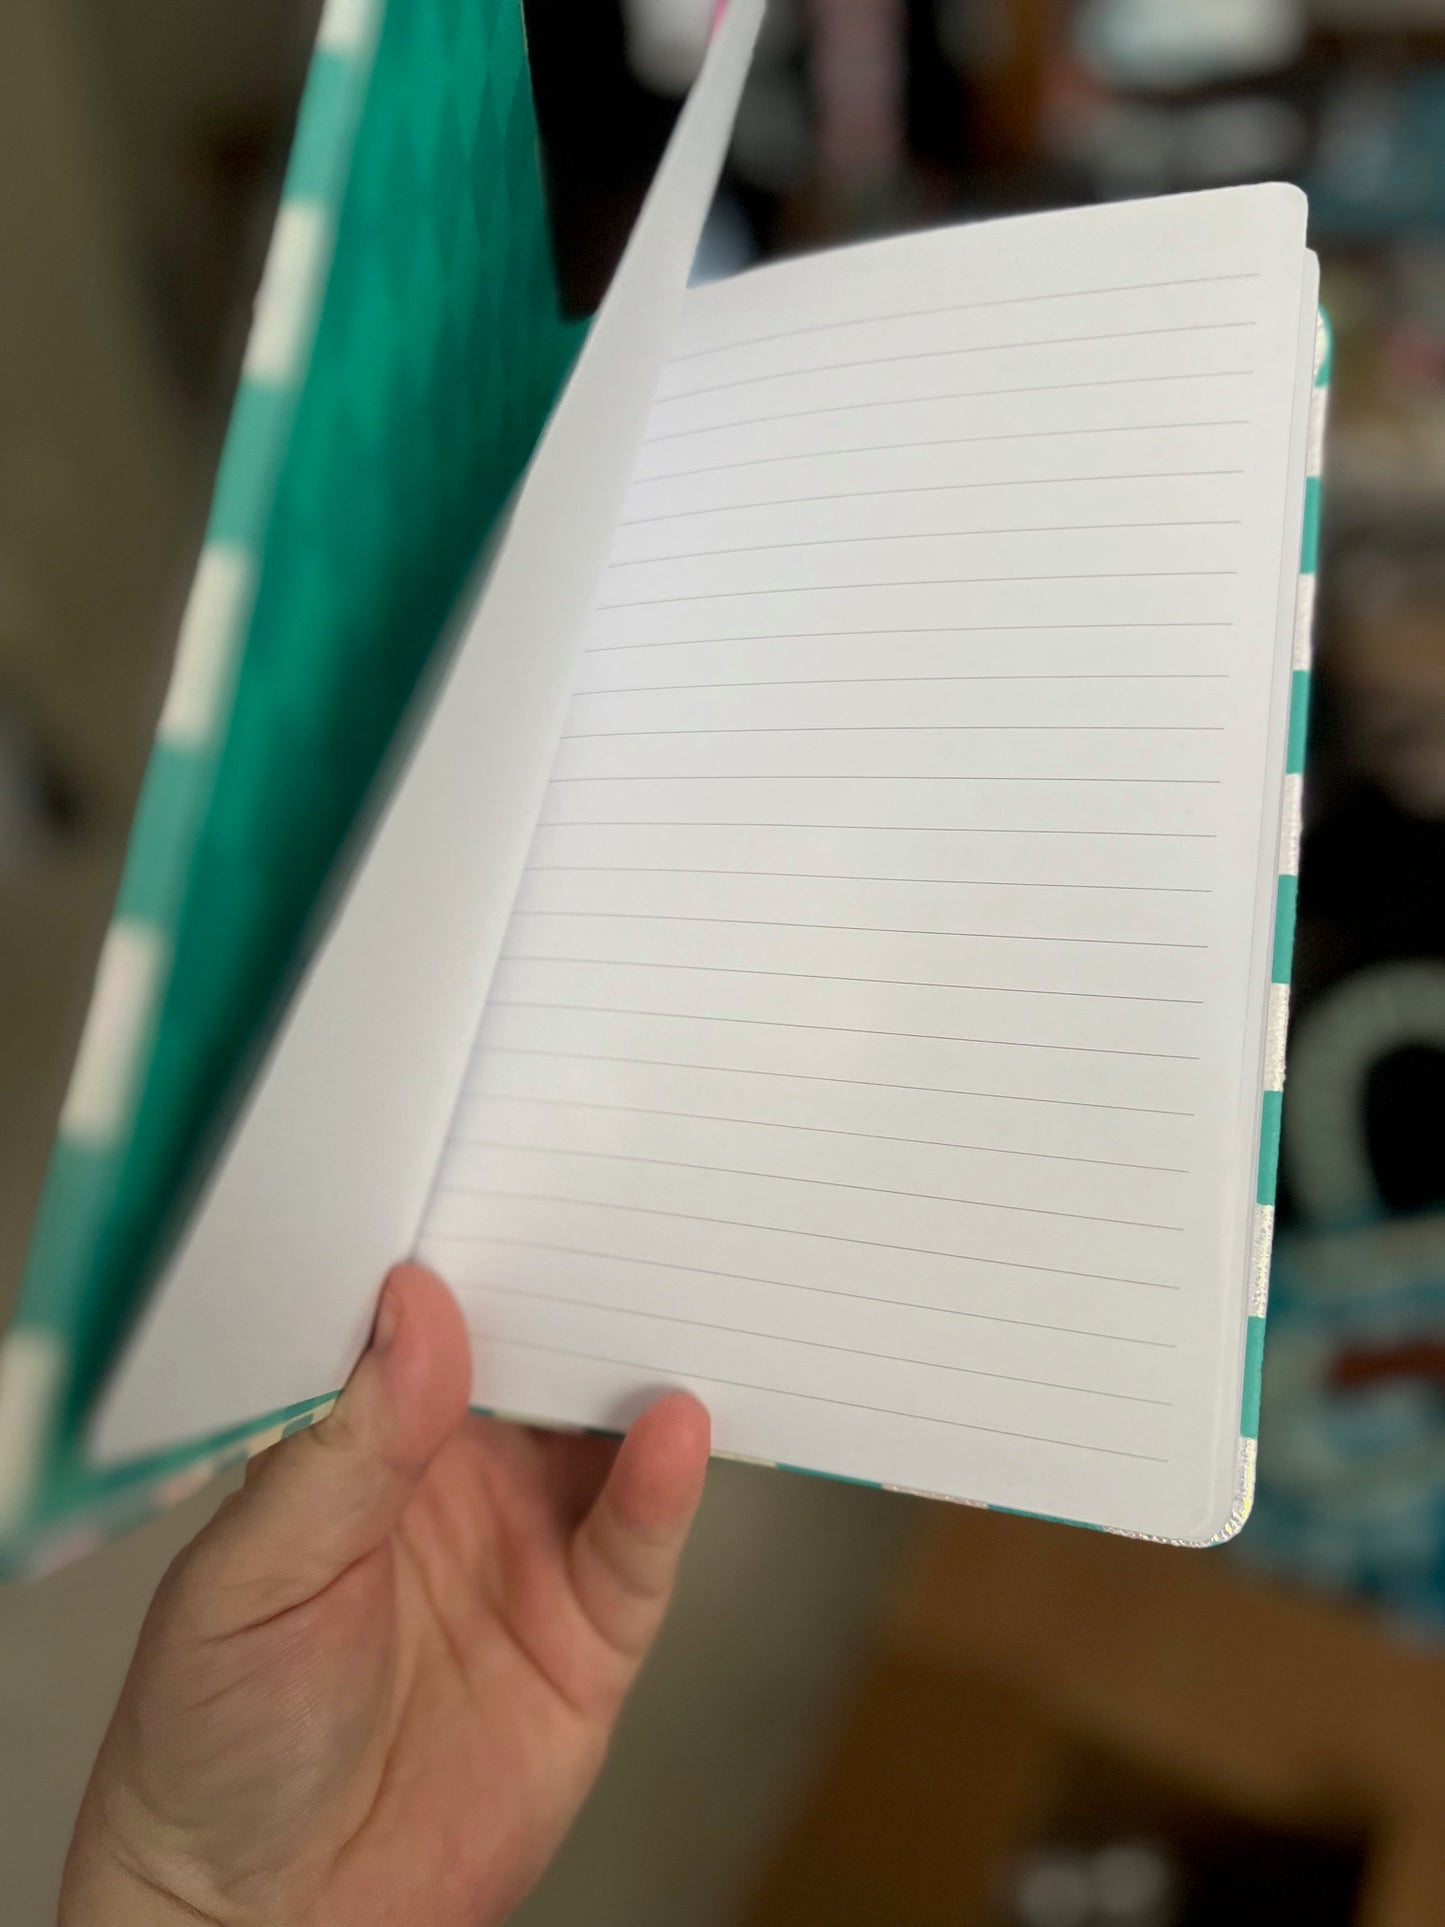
(105, 1887)
(96, 1894)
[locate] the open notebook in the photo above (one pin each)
(826, 945)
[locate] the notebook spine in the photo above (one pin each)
(1286, 904)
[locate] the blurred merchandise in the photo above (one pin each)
(666, 40)
(1388, 664)
(772, 150)
(1387, 439)
(1189, 43)
(856, 68)
(1380, 167)
(1124, 1883)
(1199, 1868)
(1352, 1463)
(1351, 1491)
(1376, 16)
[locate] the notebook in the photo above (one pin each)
(821, 938)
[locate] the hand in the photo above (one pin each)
(379, 1684)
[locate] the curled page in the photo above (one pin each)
(268, 1299)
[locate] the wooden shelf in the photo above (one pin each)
(1011, 1642)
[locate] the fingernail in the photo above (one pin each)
(388, 1317)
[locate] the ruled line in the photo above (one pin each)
(845, 1030)
(924, 488)
(817, 1077)
(948, 354)
(816, 1398)
(851, 977)
(784, 1284)
(882, 829)
(820, 1130)
(790, 1231)
(955, 394)
(813, 1344)
(850, 876)
(879, 929)
(961, 307)
(929, 582)
(935, 629)
(854, 776)
(865, 682)
(940, 441)
(791, 1177)
(1133, 524)
(900, 729)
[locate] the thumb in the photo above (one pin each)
(623, 1557)
(323, 1499)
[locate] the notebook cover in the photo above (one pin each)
(406, 346)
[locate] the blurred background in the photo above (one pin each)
(867, 1711)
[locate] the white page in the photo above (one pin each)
(875, 1046)
(321, 1187)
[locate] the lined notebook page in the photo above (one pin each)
(871, 1045)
